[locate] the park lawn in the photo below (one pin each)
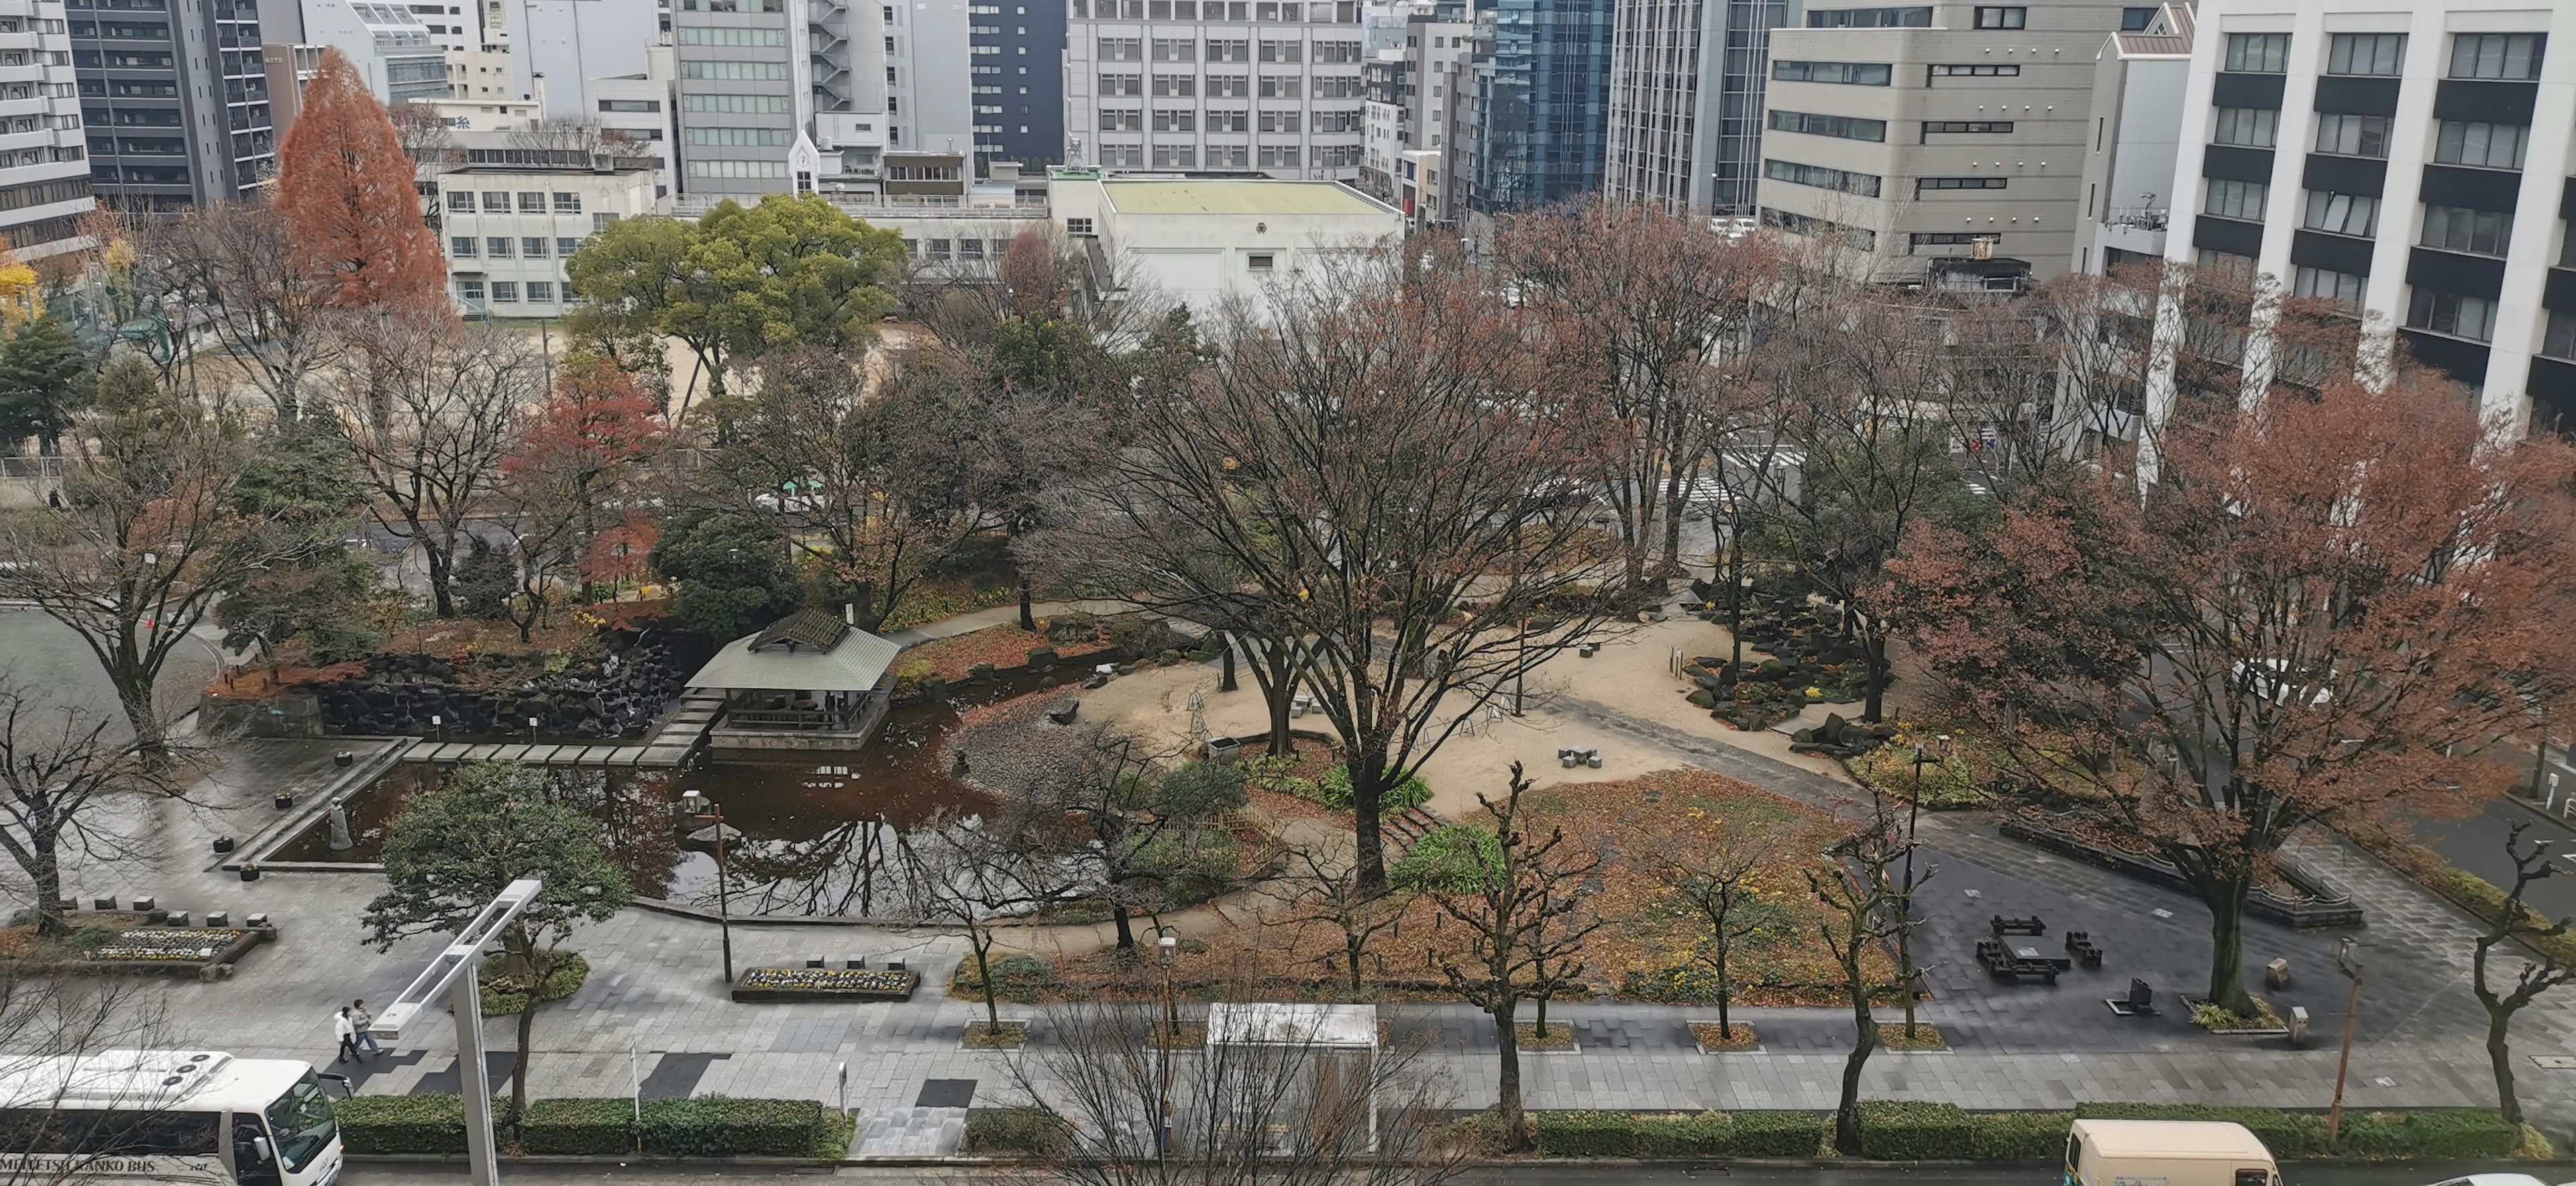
(1002, 646)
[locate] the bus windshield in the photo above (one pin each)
(301, 1123)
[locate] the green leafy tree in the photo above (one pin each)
(731, 571)
(485, 581)
(458, 846)
(45, 376)
(305, 490)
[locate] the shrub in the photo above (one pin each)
(2446, 1133)
(503, 996)
(1019, 979)
(2286, 1134)
(1778, 1134)
(1456, 858)
(1335, 792)
(1905, 1130)
(2019, 1136)
(1585, 1134)
(402, 1123)
(1029, 1132)
(579, 1126)
(720, 1126)
(1704, 1134)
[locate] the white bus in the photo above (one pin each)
(166, 1116)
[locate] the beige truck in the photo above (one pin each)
(2167, 1153)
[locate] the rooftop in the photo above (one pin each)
(1238, 197)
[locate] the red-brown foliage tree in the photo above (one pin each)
(350, 196)
(2318, 612)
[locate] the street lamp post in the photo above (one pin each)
(455, 971)
(700, 807)
(2348, 962)
(1171, 1037)
(1907, 974)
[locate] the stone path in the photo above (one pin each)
(968, 623)
(679, 734)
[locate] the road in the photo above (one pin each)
(451, 1175)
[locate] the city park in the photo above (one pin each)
(1668, 712)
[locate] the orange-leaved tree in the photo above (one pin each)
(2317, 614)
(350, 196)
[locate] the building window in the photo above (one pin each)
(1929, 184)
(1851, 73)
(1976, 71)
(1259, 261)
(2226, 265)
(565, 245)
(2003, 18)
(939, 250)
(1176, 121)
(471, 291)
(2343, 288)
(532, 203)
(2478, 232)
(2258, 53)
(2236, 199)
(2377, 54)
(497, 247)
(505, 292)
(1857, 238)
(2483, 146)
(461, 202)
(1870, 18)
(1842, 126)
(2497, 55)
(495, 203)
(2452, 313)
(2559, 340)
(1176, 156)
(461, 246)
(633, 105)
(567, 203)
(2136, 20)
(2342, 214)
(2248, 127)
(1077, 226)
(532, 247)
(2352, 135)
(1864, 184)
(1118, 119)
(541, 291)
(1954, 238)
(1932, 126)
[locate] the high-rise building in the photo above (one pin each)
(1685, 116)
(555, 47)
(1018, 81)
(2137, 130)
(2408, 161)
(746, 94)
(390, 47)
(1542, 102)
(1216, 85)
(44, 179)
(1917, 132)
(1415, 93)
(930, 95)
(175, 96)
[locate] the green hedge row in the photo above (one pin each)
(1895, 1130)
(710, 1126)
(1028, 1132)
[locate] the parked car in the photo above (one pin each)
(2493, 1180)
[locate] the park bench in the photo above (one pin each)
(2007, 963)
(2080, 945)
(2018, 926)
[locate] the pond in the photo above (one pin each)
(819, 833)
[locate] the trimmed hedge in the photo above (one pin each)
(1904, 1130)
(721, 1126)
(1706, 1134)
(402, 1123)
(2455, 1133)
(2018, 1136)
(578, 1126)
(1029, 1132)
(1585, 1134)
(1779, 1134)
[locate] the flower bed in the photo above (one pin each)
(824, 984)
(207, 954)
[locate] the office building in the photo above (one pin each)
(1685, 116)
(639, 107)
(390, 47)
(933, 59)
(1917, 133)
(45, 175)
(1018, 82)
(175, 97)
(746, 96)
(2138, 84)
(508, 227)
(2408, 161)
(1415, 88)
(555, 47)
(1542, 99)
(1239, 86)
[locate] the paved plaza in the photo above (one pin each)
(654, 1018)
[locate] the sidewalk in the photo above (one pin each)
(1001, 615)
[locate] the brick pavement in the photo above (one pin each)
(654, 1012)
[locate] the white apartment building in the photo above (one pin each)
(2139, 80)
(507, 229)
(1216, 85)
(44, 170)
(640, 106)
(2410, 160)
(1201, 242)
(1932, 130)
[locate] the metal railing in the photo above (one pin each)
(31, 467)
(2148, 218)
(811, 719)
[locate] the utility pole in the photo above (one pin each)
(2348, 963)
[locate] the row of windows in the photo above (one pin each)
(1870, 18)
(708, 35)
(1929, 184)
(40, 193)
(2473, 55)
(2447, 228)
(1219, 86)
(1267, 156)
(1341, 12)
(735, 104)
(739, 137)
(1932, 126)
(1841, 126)
(503, 246)
(1183, 49)
(1853, 73)
(506, 292)
(644, 106)
(735, 71)
(733, 5)
(2455, 142)
(1858, 238)
(1844, 180)
(461, 201)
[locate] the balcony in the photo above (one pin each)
(2139, 230)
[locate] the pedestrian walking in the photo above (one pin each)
(360, 1019)
(348, 1031)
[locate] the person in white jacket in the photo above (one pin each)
(348, 1031)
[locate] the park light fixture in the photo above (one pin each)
(455, 970)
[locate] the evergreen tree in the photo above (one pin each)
(348, 195)
(485, 581)
(42, 382)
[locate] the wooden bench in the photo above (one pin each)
(2018, 926)
(2003, 963)
(2080, 943)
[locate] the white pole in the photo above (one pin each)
(465, 996)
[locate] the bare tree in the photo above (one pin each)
(1710, 869)
(1323, 889)
(974, 875)
(1286, 1110)
(87, 1034)
(2517, 925)
(430, 437)
(64, 773)
(235, 274)
(583, 137)
(1521, 904)
(1859, 893)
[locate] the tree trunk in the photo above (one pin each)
(47, 875)
(983, 948)
(2508, 1105)
(1352, 944)
(1225, 645)
(1507, 1096)
(1028, 621)
(1673, 506)
(134, 694)
(1725, 994)
(1538, 1029)
(1874, 652)
(442, 601)
(1126, 930)
(1368, 780)
(1865, 1035)
(2227, 948)
(519, 1073)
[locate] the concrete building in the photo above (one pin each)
(2138, 84)
(486, 114)
(640, 106)
(175, 97)
(510, 217)
(1202, 242)
(932, 57)
(1937, 130)
(1018, 81)
(2409, 160)
(392, 50)
(44, 173)
(1415, 88)
(1239, 86)
(555, 47)
(1686, 86)
(746, 92)
(1542, 82)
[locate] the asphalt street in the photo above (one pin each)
(1702, 1175)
